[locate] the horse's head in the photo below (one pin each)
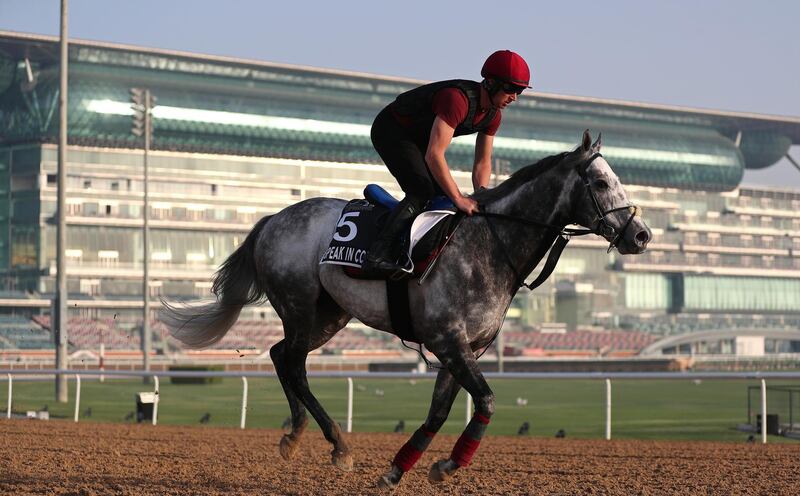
(600, 202)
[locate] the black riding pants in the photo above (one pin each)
(405, 158)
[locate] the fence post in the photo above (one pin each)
(10, 388)
(763, 411)
(77, 396)
(349, 404)
(102, 359)
(244, 402)
(469, 408)
(608, 409)
(155, 401)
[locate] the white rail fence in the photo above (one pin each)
(607, 377)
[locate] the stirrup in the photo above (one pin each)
(406, 270)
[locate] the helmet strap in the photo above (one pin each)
(492, 86)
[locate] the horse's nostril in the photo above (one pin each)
(642, 237)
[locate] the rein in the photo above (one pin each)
(563, 237)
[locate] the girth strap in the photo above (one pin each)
(399, 311)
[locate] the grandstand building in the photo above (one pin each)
(235, 140)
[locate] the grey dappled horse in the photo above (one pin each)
(456, 311)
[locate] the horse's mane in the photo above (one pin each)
(523, 175)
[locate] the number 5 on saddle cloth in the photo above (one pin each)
(361, 221)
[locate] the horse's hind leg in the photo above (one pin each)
(306, 329)
(295, 369)
(444, 393)
(289, 442)
(460, 361)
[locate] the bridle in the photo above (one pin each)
(600, 227)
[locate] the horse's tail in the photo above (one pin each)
(236, 284)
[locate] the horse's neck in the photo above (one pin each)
(543, 200)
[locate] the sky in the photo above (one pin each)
(715, 54)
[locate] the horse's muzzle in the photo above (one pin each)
(635, 240)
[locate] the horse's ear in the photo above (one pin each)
(597, 144)
(586, 145)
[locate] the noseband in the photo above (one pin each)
(601, 225)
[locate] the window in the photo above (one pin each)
(161, 257)
(196, 258)
(87, 184)
(90, 209)
(74, 208)
(246, 214)
(74, 256)
(108, 258)
(195, 212)
(160, 210)
(90, 287)
(155, 289)
(202, 289)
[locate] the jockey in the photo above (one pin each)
(413, 132)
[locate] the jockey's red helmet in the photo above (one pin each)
(507, 66)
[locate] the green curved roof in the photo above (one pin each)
(219, 105)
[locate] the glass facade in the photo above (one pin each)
(249, 109)
(234, 141)
(648, 291)
(737, 294)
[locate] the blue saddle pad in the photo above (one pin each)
(380, 196)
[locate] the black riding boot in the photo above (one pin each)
(384, 252)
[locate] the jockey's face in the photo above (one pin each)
(502, 99)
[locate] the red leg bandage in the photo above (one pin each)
(464, 450)
(470, 439)
(410, 453)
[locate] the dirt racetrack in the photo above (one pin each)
(60, 457)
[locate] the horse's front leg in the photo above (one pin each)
(444, 393)
(463, 366)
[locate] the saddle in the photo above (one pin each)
(362, 219)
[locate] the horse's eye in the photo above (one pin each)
(601, 185)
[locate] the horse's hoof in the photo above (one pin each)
(439, 472)
(342, 461)
(390, 480)
(385, 484)
(288, 447)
